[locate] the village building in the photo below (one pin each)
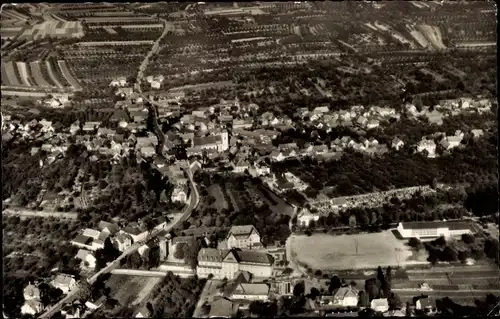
(346, 296)
(305, 217)
(434, 229)
(251, 291)
(245, 237)
(226, 263)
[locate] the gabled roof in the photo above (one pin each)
(345, 292)
(212, 254)
(243, 230)
(253, 257)
(223, 307)
(84, 240)
(113, 228)
(252, 289)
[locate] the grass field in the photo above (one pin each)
(339, 252)
(131, 290)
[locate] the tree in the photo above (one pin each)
(134, 260)
(83, 290)
(415, 243)
(179, 251)
(352, 221)
(335, 284)
(298, 289)
(363, 299)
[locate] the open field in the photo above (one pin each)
(131, 290)
(339, 252)
(11, 73)
(37, 74)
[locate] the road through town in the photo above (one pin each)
(193, 203)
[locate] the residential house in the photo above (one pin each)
(64, 282)
(31, 292)
(425, 304)
(122, 241)
(223, 308)
(397, 143)
(194, 165)
(380, 305)
(83, 242)
(372, 124)
(46, 126)
(74, 128)
(180, 194)
(346, 296)
(435, 117)
(242, 124)
(251, 291)
(243, 237)
(148, 151)
(305, 217)
(87, 258)
(362, 121)
(32, 307)
(450, 142)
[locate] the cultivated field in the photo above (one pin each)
(131, 290)
(339, 252)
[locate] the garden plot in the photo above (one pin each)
(339, 252)
(131, 290)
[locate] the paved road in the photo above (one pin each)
(203, 297)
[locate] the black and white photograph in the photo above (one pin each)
(249, 159)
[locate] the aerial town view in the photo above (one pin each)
(249, 159)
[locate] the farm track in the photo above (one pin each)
(52, 75)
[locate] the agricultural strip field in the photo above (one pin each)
(36, 71)
(52, 74)
(339, 252)
(11, 74)
(67, 75)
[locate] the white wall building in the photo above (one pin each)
(434, 229)
(243, 237)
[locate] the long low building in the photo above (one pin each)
(226, 263)
(434, 229)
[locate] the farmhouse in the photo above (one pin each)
(226, 263)
(180, 194)
(434, 229)
(223, 308)
(88, 260)
(243, 237)
(31, 292)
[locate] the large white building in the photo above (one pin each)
(434, 229)
(226, 263)
(245, 236)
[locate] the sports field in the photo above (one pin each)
(328, 252)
